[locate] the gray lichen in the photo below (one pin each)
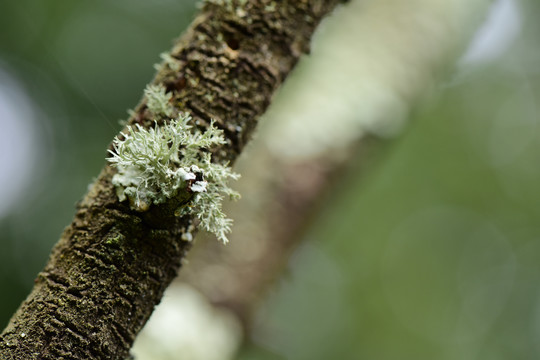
(157, 164)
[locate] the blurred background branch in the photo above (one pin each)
(431, 253)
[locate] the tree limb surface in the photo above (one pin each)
(112, 264)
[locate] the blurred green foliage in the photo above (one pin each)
(432, 250)
(433, 254)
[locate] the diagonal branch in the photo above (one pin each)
(112, 264)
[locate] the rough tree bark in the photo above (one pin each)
(112, 264)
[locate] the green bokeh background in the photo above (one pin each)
(432, 253)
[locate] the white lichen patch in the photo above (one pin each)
(169, 61)
(160, 163)
(158, 100)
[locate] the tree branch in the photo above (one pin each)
(112, 264)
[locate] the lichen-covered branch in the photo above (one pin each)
(173, 162)
(113, 262)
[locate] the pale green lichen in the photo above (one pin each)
(231, 5)
(271, 7)
(158, 101)
(166, 161)
(168, 60)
